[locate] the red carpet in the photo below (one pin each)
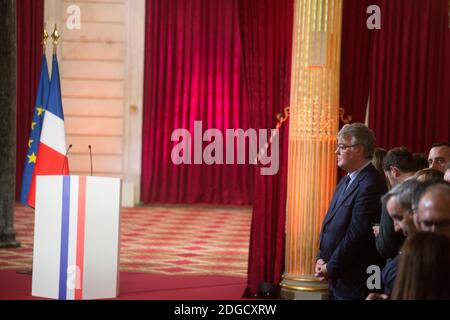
(141, 286)
(168, 240)
(194, 252)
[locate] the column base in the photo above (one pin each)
(8, 239)
(303, 288)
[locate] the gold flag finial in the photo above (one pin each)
(55, 38)
(44, 38)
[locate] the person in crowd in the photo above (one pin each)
(430, 213)
(447, 173)
(420, 160)
(399, 204)
(423, 270)
(377, 160)
(428, 174)
(347, 244)
(439, 156)
(398, 165)
(432, 203)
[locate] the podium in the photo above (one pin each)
(76, 238)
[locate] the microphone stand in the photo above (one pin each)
(90, 155)
(65, 158)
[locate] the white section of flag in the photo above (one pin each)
(53, 133)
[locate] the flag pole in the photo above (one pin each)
(44, 39)
(55, 38)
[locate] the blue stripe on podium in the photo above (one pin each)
(64, 239)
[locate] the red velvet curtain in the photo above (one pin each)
(266, 32)
(30, 21)
(192, 73)
(356, 53)
(410, 76)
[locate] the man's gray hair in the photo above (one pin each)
(362, 135)
(404, 192)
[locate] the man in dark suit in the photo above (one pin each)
(398, 166)
(347, 244)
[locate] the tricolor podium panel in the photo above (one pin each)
(76, 238)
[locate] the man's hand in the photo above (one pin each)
(377, 296)
(323, 274)
(376, 230)
(319, 265)
(321, 270)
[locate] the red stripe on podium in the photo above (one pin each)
(80, 237)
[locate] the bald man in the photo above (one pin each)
(431, 206)
(433, 210)
(447, 173)
(439, 156)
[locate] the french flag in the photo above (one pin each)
(51, 158)
(35, 133)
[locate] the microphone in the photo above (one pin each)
(90, 154)
(65, 158)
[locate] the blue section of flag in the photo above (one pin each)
(35, 131)
(54, 104)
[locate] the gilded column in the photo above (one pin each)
(312, 167)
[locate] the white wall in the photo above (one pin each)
(101, 68)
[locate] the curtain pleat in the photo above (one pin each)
(30, 22)
(266, 33)
(192, 73)
(409, 96)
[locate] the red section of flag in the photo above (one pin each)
(55, 164)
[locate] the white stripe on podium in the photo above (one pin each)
(101, 257)
(47, 251)
(73, 232)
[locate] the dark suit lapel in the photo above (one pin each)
(333, 204)
(355, 184)
(351, 189)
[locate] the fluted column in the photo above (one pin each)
(7, 122)
(312, 168)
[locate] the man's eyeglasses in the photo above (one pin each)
(343, 148)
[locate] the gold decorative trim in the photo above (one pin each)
(45, 36)
(305, 279)
(301, 288)
(282, 117)
(55, 39)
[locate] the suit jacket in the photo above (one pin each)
(388, 241)
(389, 274)
(347, 243)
